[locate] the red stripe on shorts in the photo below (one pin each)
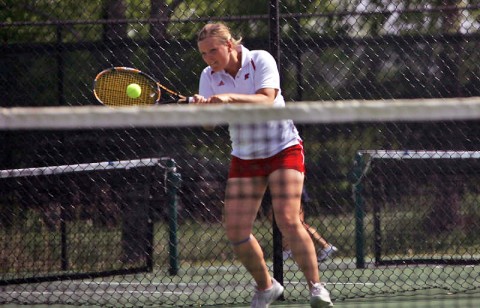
(291, 158)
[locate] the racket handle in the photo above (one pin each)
(183, 100)
(186, 100)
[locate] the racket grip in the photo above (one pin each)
(186, 100)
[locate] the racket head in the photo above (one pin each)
(110, 87)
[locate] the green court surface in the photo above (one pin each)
(415, 286)
(440, 301)
(456, 300)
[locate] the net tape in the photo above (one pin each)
(420, 154)
(106, 165)
(409, 155)
(90, 117)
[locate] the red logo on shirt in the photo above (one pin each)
(247, 76)
(221, 83)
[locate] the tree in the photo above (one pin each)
(162, 12)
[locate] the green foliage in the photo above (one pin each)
(414, 21)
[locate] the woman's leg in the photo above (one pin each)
(313, 231)
(286, 190)
(242, 201)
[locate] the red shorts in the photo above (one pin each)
(291, 158)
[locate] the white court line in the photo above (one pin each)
(85, 292)
(143, 292)
(182, 284)
(338, 283)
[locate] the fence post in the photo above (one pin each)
(173, 184)
(358, 170)
(63, 236)
(274, 23)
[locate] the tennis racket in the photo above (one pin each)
(110, 87)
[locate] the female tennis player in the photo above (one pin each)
(268, 154)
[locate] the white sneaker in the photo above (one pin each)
(286, 254)
(326, 253)
(263, 299)
(320, 296)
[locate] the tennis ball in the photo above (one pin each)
(134, 90)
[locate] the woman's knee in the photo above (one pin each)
(289, 226)
(236, 233)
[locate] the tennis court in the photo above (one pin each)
(400, 258)
(417, 301)
(112, 190)
(211, 282)
(63, 265)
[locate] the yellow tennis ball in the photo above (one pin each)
(134, 90)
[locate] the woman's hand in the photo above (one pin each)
(199, 100)
(265, 96)
(215, 99)
(219, 99)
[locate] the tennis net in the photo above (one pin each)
(411, 226)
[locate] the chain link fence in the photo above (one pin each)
(76, 235)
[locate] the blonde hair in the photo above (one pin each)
(220, 31)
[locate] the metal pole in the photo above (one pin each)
(63, 236)
(358, 171)
(173, 184)
(60, 67)
(275, 51)
(275, 30)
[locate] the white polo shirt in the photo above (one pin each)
(258, 71)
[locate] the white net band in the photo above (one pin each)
(86, 117)
(106, 165)
(419, 154)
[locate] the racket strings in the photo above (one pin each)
(110, 89)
